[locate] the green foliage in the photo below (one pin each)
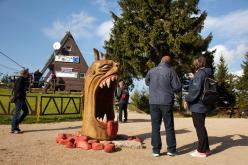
(5, 79)
(225, 85)
(6, 119)
(144, 26)
(140, 99)
(222, 72)
(242, 85)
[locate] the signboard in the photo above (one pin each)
(62, 58)
(66, 70)
(68, 75)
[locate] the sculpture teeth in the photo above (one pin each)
(108, 82)
(105, 118)
(113, 78)
(101, 85)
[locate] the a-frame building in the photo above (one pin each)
(68, 65)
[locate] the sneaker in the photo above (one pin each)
(208, 152)
(172, 153)
(15, 131)
(155, 155)
(198, 154)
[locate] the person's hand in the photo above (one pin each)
(185, 105)
(191, 76)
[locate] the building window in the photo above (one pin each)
(81, 75)
(68, 48)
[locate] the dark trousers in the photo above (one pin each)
(20, 104)
(122, 108)
(202, 135)
(159, 112)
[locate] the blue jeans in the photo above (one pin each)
(122, 107)
(159, 112)
(20, 104)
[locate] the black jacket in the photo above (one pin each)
(195, 90)
(20, 88)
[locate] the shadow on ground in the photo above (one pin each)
(138, 120)
(224, 143)
(52, 129)
(148, 135)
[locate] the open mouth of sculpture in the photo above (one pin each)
(104, 110)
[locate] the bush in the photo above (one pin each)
(140, 99)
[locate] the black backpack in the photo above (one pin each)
(209, 95)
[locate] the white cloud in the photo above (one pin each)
(238, 72)
(80, 25)
(104, 30)
(231, 25)
(233, 57)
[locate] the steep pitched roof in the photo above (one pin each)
(62, 43)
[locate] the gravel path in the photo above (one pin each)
(228, 139)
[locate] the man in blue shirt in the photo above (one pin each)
(163, 82)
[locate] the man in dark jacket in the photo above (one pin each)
(163, 82)
(20, 104)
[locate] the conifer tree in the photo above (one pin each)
(242, 85)
(145, 25)
(244, 78)
(225, 88)
(221, 72)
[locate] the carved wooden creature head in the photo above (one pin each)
(100, 83)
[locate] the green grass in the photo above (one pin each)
(51, 109)
(6, 119)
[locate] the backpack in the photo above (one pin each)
(209, 94)
(124, 95)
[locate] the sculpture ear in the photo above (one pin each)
(104, 56)
(96, 54)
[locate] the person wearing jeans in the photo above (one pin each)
(159, 112)
(20, 104)
(163, 82)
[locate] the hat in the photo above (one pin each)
(165, 51)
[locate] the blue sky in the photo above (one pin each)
(30, 27)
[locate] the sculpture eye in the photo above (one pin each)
(105, 67)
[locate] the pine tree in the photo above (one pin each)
(244, 78)
(242, 85)
(225, 86)
(145, 25)
(222, 72)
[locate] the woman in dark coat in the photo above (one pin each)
(198, 109)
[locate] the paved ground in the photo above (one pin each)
(228, 139)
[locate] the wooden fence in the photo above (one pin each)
(45, 105)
